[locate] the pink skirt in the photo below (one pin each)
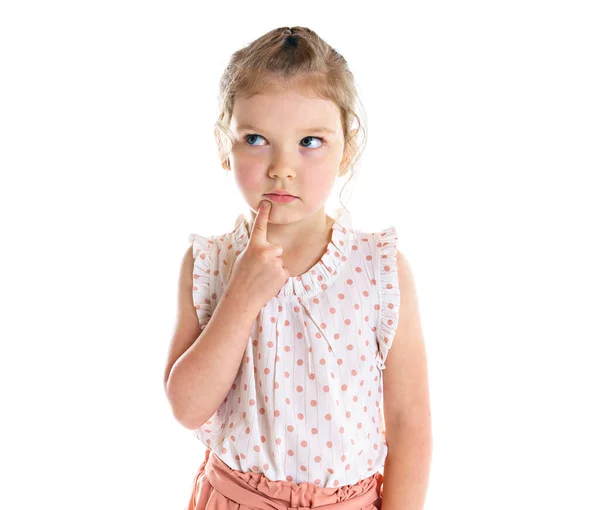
(218, 487)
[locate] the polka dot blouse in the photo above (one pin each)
(306, 404)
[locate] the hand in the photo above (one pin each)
(258, 271)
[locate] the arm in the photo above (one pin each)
(406, 406)
(202, 367)
(406, 469)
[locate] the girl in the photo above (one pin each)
(286, 322)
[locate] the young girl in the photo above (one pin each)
(286, 322)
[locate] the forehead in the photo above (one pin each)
(280, 107)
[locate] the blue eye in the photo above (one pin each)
(314, 138)
(248, 137)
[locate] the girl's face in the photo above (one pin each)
(286, 140)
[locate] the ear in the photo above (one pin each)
(225, 164)
(347, 152)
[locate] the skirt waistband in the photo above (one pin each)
(259, 492)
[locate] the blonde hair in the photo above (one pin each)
(296, 59)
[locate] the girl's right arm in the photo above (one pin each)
(198, 377)
(202, 365)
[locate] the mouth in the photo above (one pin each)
(274, 197)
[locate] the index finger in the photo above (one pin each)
(259, 229)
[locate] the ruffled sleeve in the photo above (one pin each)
(202, 272)
(389, 292)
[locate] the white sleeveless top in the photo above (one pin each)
(306, 404)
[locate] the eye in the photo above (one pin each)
(251, 138)
(314, 138)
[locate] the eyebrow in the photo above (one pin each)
(313, 130)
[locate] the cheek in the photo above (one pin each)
(248, 173)
(319, 177)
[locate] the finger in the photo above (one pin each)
(259, 229)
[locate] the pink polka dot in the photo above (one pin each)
(272, 319)
(290, 453)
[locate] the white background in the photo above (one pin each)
(483, 151)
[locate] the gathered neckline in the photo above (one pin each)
(318, 277)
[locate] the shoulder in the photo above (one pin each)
(406, 281)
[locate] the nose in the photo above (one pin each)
(282, 165)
